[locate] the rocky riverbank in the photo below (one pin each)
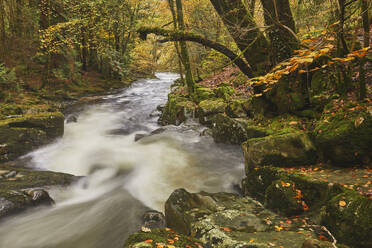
(308, 169)
(27, 126)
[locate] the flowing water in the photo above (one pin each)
(122, 178)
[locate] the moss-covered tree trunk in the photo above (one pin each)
(184, 52)
(362, 73)
(243, 29)
(278, 17)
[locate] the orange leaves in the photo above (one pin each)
(286, 185)
(148, 241)
(342, 203)
(226, 229)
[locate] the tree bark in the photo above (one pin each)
(362, 72)
(184, 52)
(187, 36)
(243, 29)
(278, 16)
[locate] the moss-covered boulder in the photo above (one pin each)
(234, 131)
(203, 93)
(259, 107)
(235, 109)
(224, 91)
(345, 139)
(23, 134)
(176, 110)
(283, 197)
(165, 237)
(287, 95)
(269, 184)
(225, 220)
(21, 188)
(349, 217)
(210, 107)
(283, 149)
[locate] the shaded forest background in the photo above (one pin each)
(61, 46)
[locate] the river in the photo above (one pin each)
(122, 178)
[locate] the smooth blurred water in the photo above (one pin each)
(123, 178)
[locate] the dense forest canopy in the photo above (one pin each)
(45, 43)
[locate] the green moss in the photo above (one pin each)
(210, 107)
(224, 91)
(282, 149)
(282, 198)
(23, 134)
(176, 109)
(342, 141)
(235, 109)
(351, 224)
(203, 93)
(160, 236)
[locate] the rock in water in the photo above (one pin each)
(154, 219)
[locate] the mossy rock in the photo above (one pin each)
(224, 91)
(234, 131)
(283, 150)
(160, 238)
(23, 134)
(281, 196)
(21, 188)
(210, 107)
(345, 141)
(176, 110)
(349, 218)
(235, 109)
(203, 93)
(225, 220)
(259, 107)
(287, 96)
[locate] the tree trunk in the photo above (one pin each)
(184, 52)
(362, 73)
(187, 36)
(282, 30)
(243, 29)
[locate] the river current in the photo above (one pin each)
(121, 178)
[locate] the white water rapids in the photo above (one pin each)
(123, 178)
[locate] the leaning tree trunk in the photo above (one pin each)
(282, 29)
(243, 29)
(187, 36)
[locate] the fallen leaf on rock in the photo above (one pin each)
(148, 241)
(226, 229)
(342, 203)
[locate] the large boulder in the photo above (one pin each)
(345, 140)
(22, 188)
(225, 220)
(283, 149)
(23, 134)
(284, 192)
(349, 217)
(234, 131)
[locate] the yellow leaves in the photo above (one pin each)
(302, 71)
(285, 184)
(278, 228)
(342, 203)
